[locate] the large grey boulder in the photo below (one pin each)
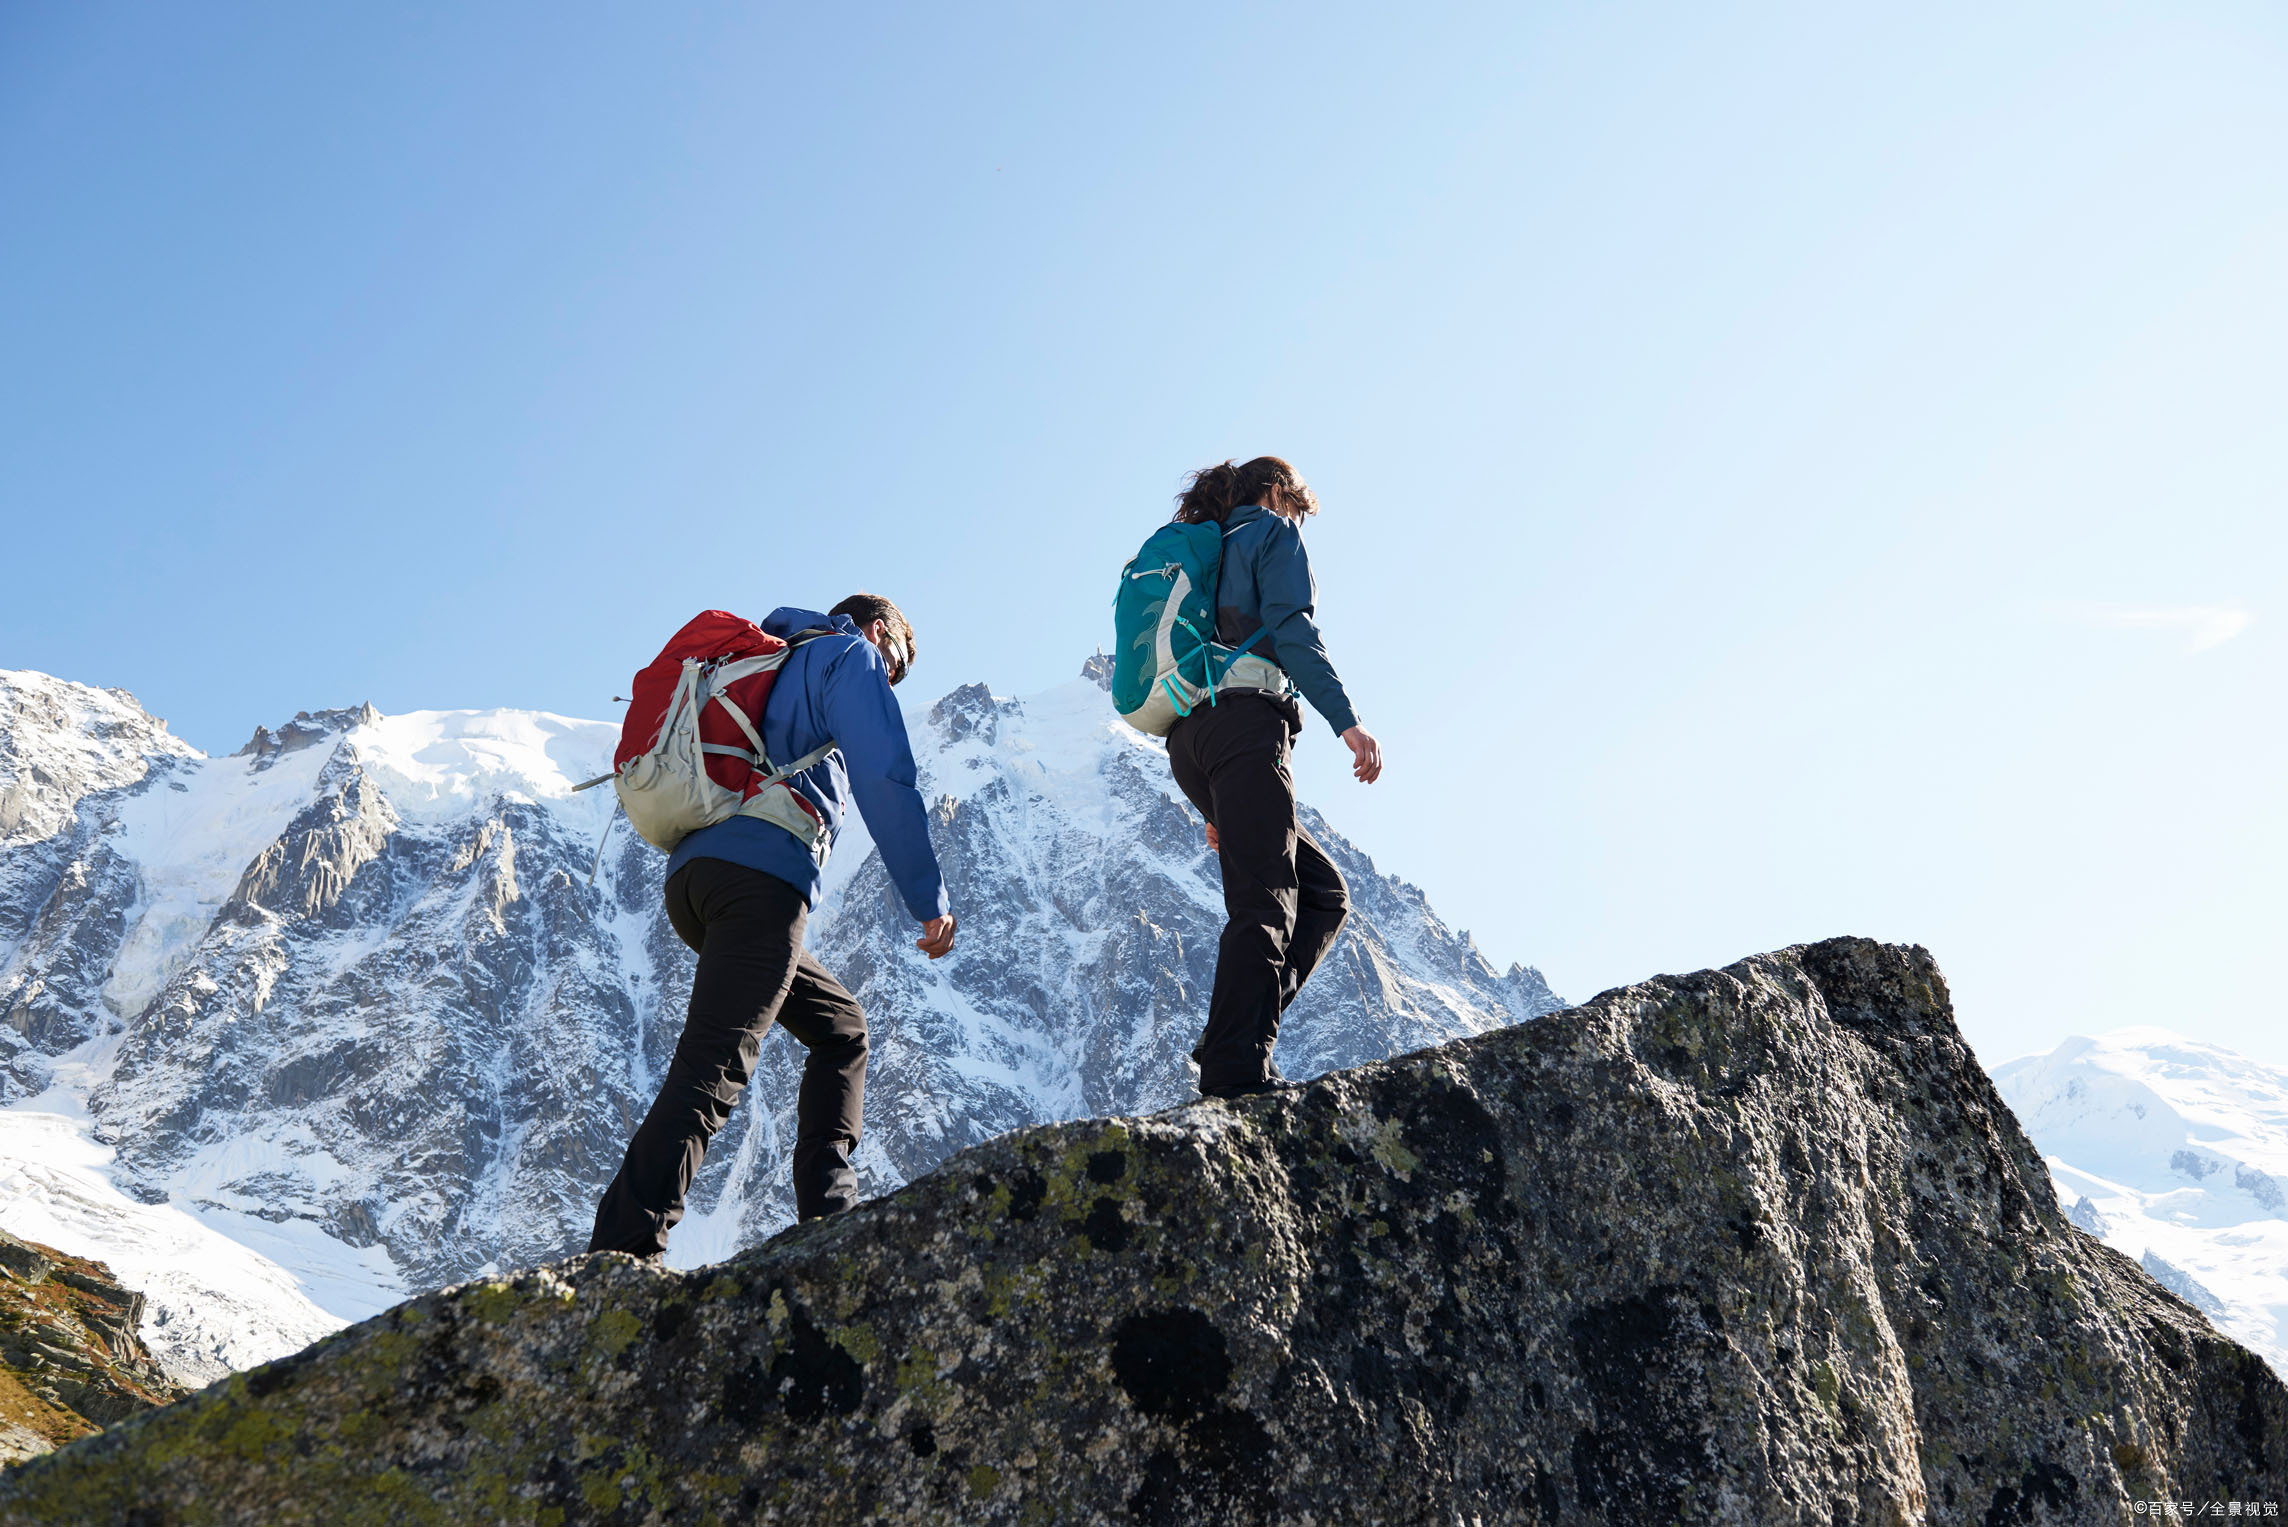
(1753, 1245)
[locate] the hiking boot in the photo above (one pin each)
(1251, 1089)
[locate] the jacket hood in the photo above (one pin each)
(788, 619)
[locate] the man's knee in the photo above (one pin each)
(843, 1035)
(1265, 931)
(706, 1083)
(707, 1069)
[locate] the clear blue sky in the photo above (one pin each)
(1788, 470)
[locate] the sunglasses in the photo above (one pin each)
(895, 652)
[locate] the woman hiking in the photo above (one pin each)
(1285, 897)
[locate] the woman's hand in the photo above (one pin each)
(1366, 754)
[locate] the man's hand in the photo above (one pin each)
(1366, 754)
(1215, 844)
(937, 938)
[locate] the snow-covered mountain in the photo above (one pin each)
(347, 1003)
(2176, 1153)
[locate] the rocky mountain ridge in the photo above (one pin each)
(1759, 1245)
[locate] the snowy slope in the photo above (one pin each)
(2176, 1153)
(214, 1300)
(345, 1006)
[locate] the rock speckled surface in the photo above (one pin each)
(1753, 1245)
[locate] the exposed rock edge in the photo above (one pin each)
(71, 1358)
(1751, 1245)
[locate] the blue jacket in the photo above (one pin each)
(1266, 581)
(834, 686)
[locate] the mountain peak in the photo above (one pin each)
(972, 711)
(307, 729)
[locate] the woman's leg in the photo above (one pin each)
(1323, 903)
(1235, 755)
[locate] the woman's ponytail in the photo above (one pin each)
(1207, 494)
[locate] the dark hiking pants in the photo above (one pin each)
(1285, 898)
(747, 927)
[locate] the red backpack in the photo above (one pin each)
(691, 750)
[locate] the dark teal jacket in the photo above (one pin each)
(1266, 581)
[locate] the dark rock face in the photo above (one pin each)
(307, 729)
(1754, 1245)
(70, 1360)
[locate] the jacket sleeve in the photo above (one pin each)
(865, 722)
(1283, 580)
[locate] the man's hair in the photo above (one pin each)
(865, 609)
(1213, 492)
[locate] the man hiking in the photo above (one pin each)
(738, 893)
(1285, 898)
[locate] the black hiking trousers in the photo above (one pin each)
(747, 927)
(1285, 898)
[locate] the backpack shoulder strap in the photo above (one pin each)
(747, 724)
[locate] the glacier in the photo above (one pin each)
(2175, 1153)
(372, 1004)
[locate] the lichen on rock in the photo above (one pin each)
(1752, 1245)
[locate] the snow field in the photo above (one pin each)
(222, 1291)
(443, 765)
(191, 840)
(2170, 1148)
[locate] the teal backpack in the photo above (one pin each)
(1165, 659)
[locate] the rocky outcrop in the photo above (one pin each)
(70, 1360)
(307, 729)
(1758, 1245)
(306, 871)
